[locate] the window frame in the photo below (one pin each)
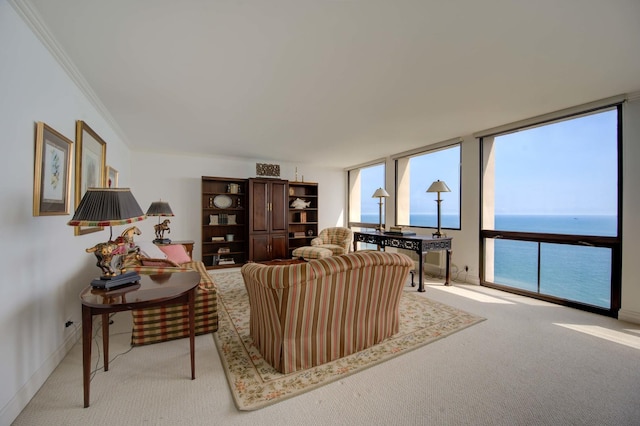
(425, 151)
(613, 243)
(350, 197)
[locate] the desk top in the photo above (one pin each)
(418, 243)
(150, 288)
(400, 236)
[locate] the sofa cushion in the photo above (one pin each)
(157, 262)
(176, 253)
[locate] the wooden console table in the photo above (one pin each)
(150, 291)
(421, 244)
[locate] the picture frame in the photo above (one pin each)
(112, 177)
(91, 154)
(52, 172)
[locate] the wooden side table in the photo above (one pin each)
(150, 291)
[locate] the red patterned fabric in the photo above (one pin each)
(153, 325)
(311, 313)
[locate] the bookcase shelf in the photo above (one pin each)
(303, 223)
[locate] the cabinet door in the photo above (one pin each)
(259, 213)
(259, 247)
(279, 246)
(279, 206)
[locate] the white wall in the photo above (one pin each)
(630, 310)
(44, 265)
(177, 180)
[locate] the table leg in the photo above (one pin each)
(87, 327)
(420, 271)
(448, 271)
(192, 330)
(105, 340)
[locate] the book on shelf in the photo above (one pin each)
(216, 239)
(224, 250)
(301, 217)
(226, 261)
(299, 234)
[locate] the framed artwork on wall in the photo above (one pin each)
(112, 177)
(52, 172)
(91, 154)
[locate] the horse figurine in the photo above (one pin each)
(104, 254)
(160, 228)
(127, 236)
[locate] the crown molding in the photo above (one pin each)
(33, 19)
(632, 97)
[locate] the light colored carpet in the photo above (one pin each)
(519, 367)
(255, 384)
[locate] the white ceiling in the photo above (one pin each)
(338, 82)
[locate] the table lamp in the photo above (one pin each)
(108, 207)
(380, 193)
(438, 186)
(161, 208)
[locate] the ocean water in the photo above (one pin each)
(578, 273)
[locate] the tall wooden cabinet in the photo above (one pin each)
(224, 222)
(268, 219)
(303, 223)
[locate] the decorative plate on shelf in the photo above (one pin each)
(222, 201)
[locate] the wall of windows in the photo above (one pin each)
(543, 248)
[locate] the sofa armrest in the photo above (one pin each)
(146, 261)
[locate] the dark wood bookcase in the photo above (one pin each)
(224, 222)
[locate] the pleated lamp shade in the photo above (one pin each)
(107, 207)
(159, 208)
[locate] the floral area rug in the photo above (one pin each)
(255, 384)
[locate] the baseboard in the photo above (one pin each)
(20, 400)
(629, 316)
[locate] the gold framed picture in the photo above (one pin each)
(112, 177)
(52, 172)
(91, 154)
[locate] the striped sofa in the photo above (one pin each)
(307, 314)
(154, 325)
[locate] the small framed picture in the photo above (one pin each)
(112, 177)
(91, 153)
(52, 172)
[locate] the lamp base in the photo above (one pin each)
(116, 280)
(162, 241)
(437, 235)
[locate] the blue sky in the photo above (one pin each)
(565, 168)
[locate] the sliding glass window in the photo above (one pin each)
(414, 174)
(551, 210)
(363, 182)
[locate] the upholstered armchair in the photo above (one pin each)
(337, 239)
(310, 313)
